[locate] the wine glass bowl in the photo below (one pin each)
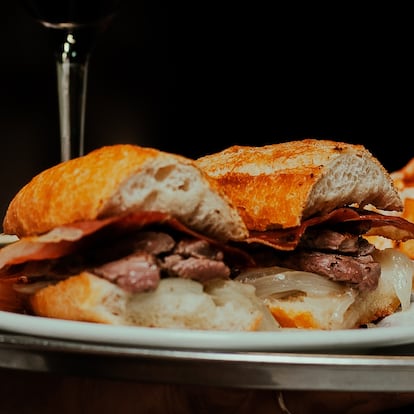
(74, 26)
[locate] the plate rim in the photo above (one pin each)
(285, 340)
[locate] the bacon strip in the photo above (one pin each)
(391, 227)
(67, 239)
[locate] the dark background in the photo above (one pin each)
(196, 78)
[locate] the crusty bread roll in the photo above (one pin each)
(116, 179)
(314, 176)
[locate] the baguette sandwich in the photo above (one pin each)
(129, 235)
(310, 207)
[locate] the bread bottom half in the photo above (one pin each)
(341, 311)
(176, 303)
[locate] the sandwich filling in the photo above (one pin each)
(332, 245)
(134, 251)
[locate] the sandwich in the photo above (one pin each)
(310, 207)
(128, 235)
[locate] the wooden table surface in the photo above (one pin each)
(46, 393)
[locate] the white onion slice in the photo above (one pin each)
(399, 268)
(279, 281)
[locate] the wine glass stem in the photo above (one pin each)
(72, 84)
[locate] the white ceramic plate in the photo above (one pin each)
(395, 330)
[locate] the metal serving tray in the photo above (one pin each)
(388, 369)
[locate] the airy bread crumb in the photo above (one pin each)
(176, 303)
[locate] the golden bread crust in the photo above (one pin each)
(279, 185)
(74, 190)
(304, 316)
(81, 298)
(256, 201)
(118, 179)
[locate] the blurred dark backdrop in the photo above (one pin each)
(195, 79)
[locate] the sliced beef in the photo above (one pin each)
(196, 259)
(158, 255)
(135, 273)
(341, 255)
(198, 248)
(326, 239)
(153, 242)
(360, 271)
(137, 262)
(201, 269)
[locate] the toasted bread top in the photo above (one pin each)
(117, 179)
(279, 185)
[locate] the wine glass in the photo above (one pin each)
(74, 26)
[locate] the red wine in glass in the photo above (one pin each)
(74, 27)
